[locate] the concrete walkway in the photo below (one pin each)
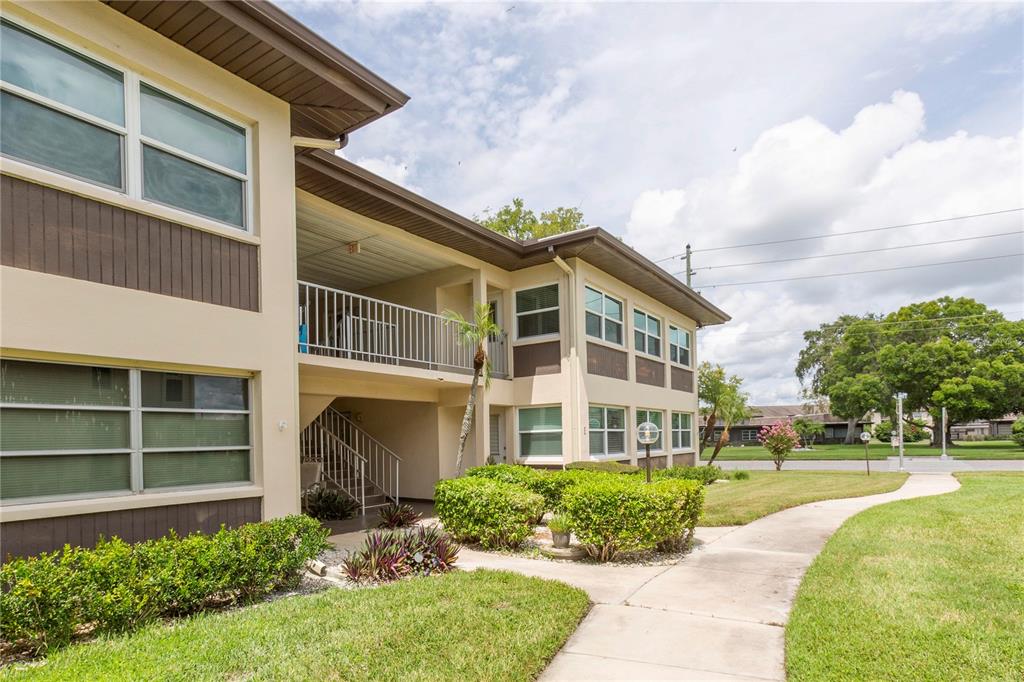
(716, 615)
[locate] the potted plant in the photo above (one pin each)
(560, 531)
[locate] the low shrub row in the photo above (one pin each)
(392, 554)
(488, 511)
(604, 467)
(117, 587)
(706, 474)
(618, 515)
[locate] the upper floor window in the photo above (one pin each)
(69, 113)
(603, 316)
(679, 345)
(647, 333)
(537, 311)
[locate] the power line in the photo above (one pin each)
(860, 272)
(854, 253)
(791, 330)
(841, 234)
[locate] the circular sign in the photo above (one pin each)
(647, 433)
(865, 436)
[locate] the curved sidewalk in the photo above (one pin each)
(716, 615)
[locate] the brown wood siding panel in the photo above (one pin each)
(650, 372)
(607, 362)
(682, 379)
(537, 358)
(27, 538)
(52, 231)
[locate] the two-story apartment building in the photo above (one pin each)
(204, 309)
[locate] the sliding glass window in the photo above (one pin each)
(72, 431)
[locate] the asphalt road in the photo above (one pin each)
(920, 465)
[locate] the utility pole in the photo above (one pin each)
(689, 271)
(899, 420)
(944, 433)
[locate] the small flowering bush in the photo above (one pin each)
(394, 554)
(779, 439)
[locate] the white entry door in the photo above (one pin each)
(497, 453)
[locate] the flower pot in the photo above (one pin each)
(560, 540)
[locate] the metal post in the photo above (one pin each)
(944, 433)
(647, 447)
(689, 271)
(899, 421)
(867, 459)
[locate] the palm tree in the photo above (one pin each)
(732, 407)
(474, 334)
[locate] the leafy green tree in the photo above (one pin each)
(713, 385)
(474, 334)
(520, 223)
(808, 429)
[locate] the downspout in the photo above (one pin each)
(574, 366)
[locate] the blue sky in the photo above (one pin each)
(720, 124)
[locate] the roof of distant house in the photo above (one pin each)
(765, 415)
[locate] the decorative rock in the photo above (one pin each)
(573, 553)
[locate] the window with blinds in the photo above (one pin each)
(537, 311)
(682, 430)
(607, 426)
(80, 431)
(540, 431)
(655, 417)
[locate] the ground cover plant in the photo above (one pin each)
(766, 492)
(924, 589)
(328, 504)
(463, 625)
(117, 587)
(388, 555)
(398, 516)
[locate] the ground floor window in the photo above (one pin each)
(748, 435)
(655, 418)
(682, 430)
(607, 430)
(540, 431)
(83, 431)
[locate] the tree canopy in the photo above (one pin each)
(951, 352)
(520, 223)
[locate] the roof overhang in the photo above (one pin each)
(330, 93)
(345, 184)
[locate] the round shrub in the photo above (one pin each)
(491, 512)
(619, 515)
(1017, 431)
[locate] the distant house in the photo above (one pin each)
(745, 432)
(984, 428)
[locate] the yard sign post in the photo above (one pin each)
(899, 421)
(944, 433)
(865, 438)
(647, 433)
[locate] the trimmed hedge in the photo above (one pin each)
(491, 512)
(604, 467)
(706, 474)
(548, 484)
(118, 587)
(611, 516)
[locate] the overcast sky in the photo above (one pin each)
(721, 125)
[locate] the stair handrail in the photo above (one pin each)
(382, 462)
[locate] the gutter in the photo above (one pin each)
(576, 433)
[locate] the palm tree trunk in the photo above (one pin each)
(709, 428)
(720, 444)
(467, 421)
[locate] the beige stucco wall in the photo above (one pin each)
(51, 317)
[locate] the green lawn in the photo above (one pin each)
(478, 625)
(924, 589)
(997, 449)
(766, 492)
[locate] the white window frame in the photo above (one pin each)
(680, 431)
(689, 348)
(647, 335)
(648, 411)
(519, 433)
(131, 134)
(515, 311)
(605, 430)
(135, 449)
(603, 317)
